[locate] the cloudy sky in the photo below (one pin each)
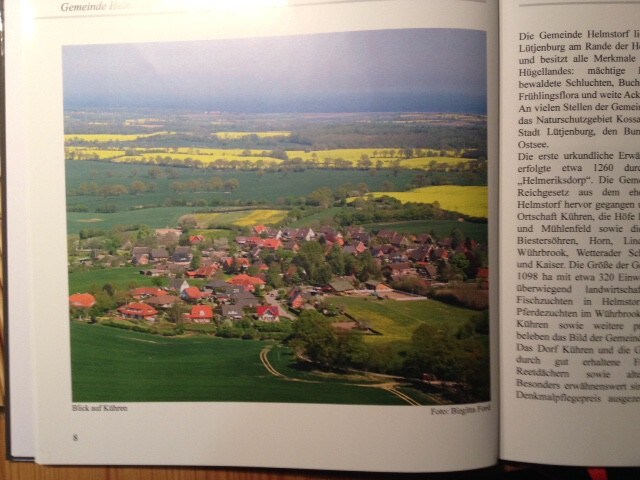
(387, 70)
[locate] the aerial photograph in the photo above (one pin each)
(290, 219)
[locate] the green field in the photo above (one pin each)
(113, 365)
(259, 187)
(108, 137)
(122, 279)
(153, 217)
(396, 320)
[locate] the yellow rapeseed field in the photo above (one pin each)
(472, 201)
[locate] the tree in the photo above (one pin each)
(176, 312)
(460, 263)
(431, 351)
(196, 260)
(314, 337)
(187, 222)
(310, 258)
(231, 184)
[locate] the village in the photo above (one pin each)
(271, 274)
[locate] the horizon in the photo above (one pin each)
(414, 70)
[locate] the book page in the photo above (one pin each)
(570, 330)
(265, 234)
(18, 359)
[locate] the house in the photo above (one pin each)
(159, 255)
(341, 286)
(201, 314)
(178, 285)
(421, 254)
(247, 299)
(268, 313)
(398, 269)
(192, 294)
(295, 299)
(140, 255)
(231, 312)
(242, 264)
(259, 229)
(355, 249)
(196, 239)
(162, 301)
(216, 284)
(82, 300)
(138, 311)
(145, 292)
(182, 255)
(292, 245)
(205, 271)
(429, 270)
(305, 234)
(274, 233)
(378, 287)
(272, 243)
(249, 283)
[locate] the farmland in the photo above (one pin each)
(152, 368)
(252, 159)
(330, 207)
(396, 320)
(471, 201)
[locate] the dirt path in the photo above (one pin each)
(390, 387)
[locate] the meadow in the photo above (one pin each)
(159, 217)
(121, 279)
(253, 186)
(113, 365)
(396, 320)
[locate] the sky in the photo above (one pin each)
(377, 71)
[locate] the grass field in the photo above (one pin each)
(122, 279)
(108, 137)
(153, 217)
(239, 135)
(266, 187)
(113, 365)
(396, 320)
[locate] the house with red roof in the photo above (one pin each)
(138, 311)
(249, 283)
(295, 299)
(82, 300)
(144, 292)
(201, 314)
(193, 294)
(268, 313)
(196, 239)
(272, 243)
(204, 271)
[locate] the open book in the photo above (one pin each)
(282, 234)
